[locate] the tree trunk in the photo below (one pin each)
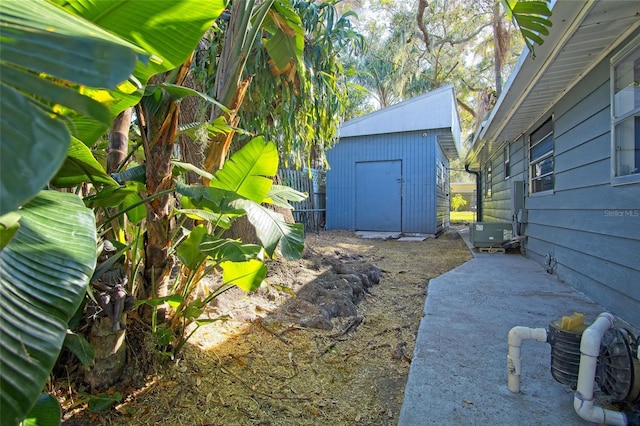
(192, 110)
(158, 262)
(119, 140)
(108, 329)
(110, 354)
(499, 47)
(108, 333)
(161, 131)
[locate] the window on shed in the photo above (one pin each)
(541, 158)
(488, 181)
(625, 126)
(440, 170)
(507, 161)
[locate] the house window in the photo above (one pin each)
(507, 161)
(541, 158)
(488, 181)
(625, 112)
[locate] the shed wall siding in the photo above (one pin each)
(587, 230)
(443, 201)
(418, 154)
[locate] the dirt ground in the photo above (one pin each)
(270, 365)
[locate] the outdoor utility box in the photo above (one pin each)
(487, 234)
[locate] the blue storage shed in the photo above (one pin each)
(390, 169)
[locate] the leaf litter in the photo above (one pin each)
(275, 361)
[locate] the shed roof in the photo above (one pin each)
(433, 110)
(583, 34)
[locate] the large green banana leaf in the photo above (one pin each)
(58, 45)
(92, 72)
(241, 185)
(272, 229)
(248, 173)
(246, 275)
(532, 18)
(44, 272)
(81, 166)
(33, 141)
(169, 30)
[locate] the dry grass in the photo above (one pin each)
(265, 372)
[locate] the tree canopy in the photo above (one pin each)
(416, 46)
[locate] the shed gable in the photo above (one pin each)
(433, 110)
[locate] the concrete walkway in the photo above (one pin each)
(458, 375)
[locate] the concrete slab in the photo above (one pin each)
(458, 375)
(375, 235)
(421, 237)
(378, 235)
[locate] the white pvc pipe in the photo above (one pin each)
(514, 358)
(589, 352)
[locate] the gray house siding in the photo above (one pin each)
(586, 231)
(498, 206)
(419, 154)
(519, 162)
(585, 227)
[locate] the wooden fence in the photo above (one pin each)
(310, 212)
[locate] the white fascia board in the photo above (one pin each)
(433, 110)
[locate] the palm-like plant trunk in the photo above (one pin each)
(107, 335)
(119, 140)
(158, 262)
(161, 131)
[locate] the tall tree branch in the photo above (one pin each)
(422, 6)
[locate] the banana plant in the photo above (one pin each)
(532, 18)
(160, 109)
(63, 79)
(273, 22)
(242, 187)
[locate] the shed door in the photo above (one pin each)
(379, 196)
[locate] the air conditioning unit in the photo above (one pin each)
(487, 234)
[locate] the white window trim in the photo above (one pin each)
(538, 160)
(488, 184)
(615, 60)
(440, 174)
(507, 161)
